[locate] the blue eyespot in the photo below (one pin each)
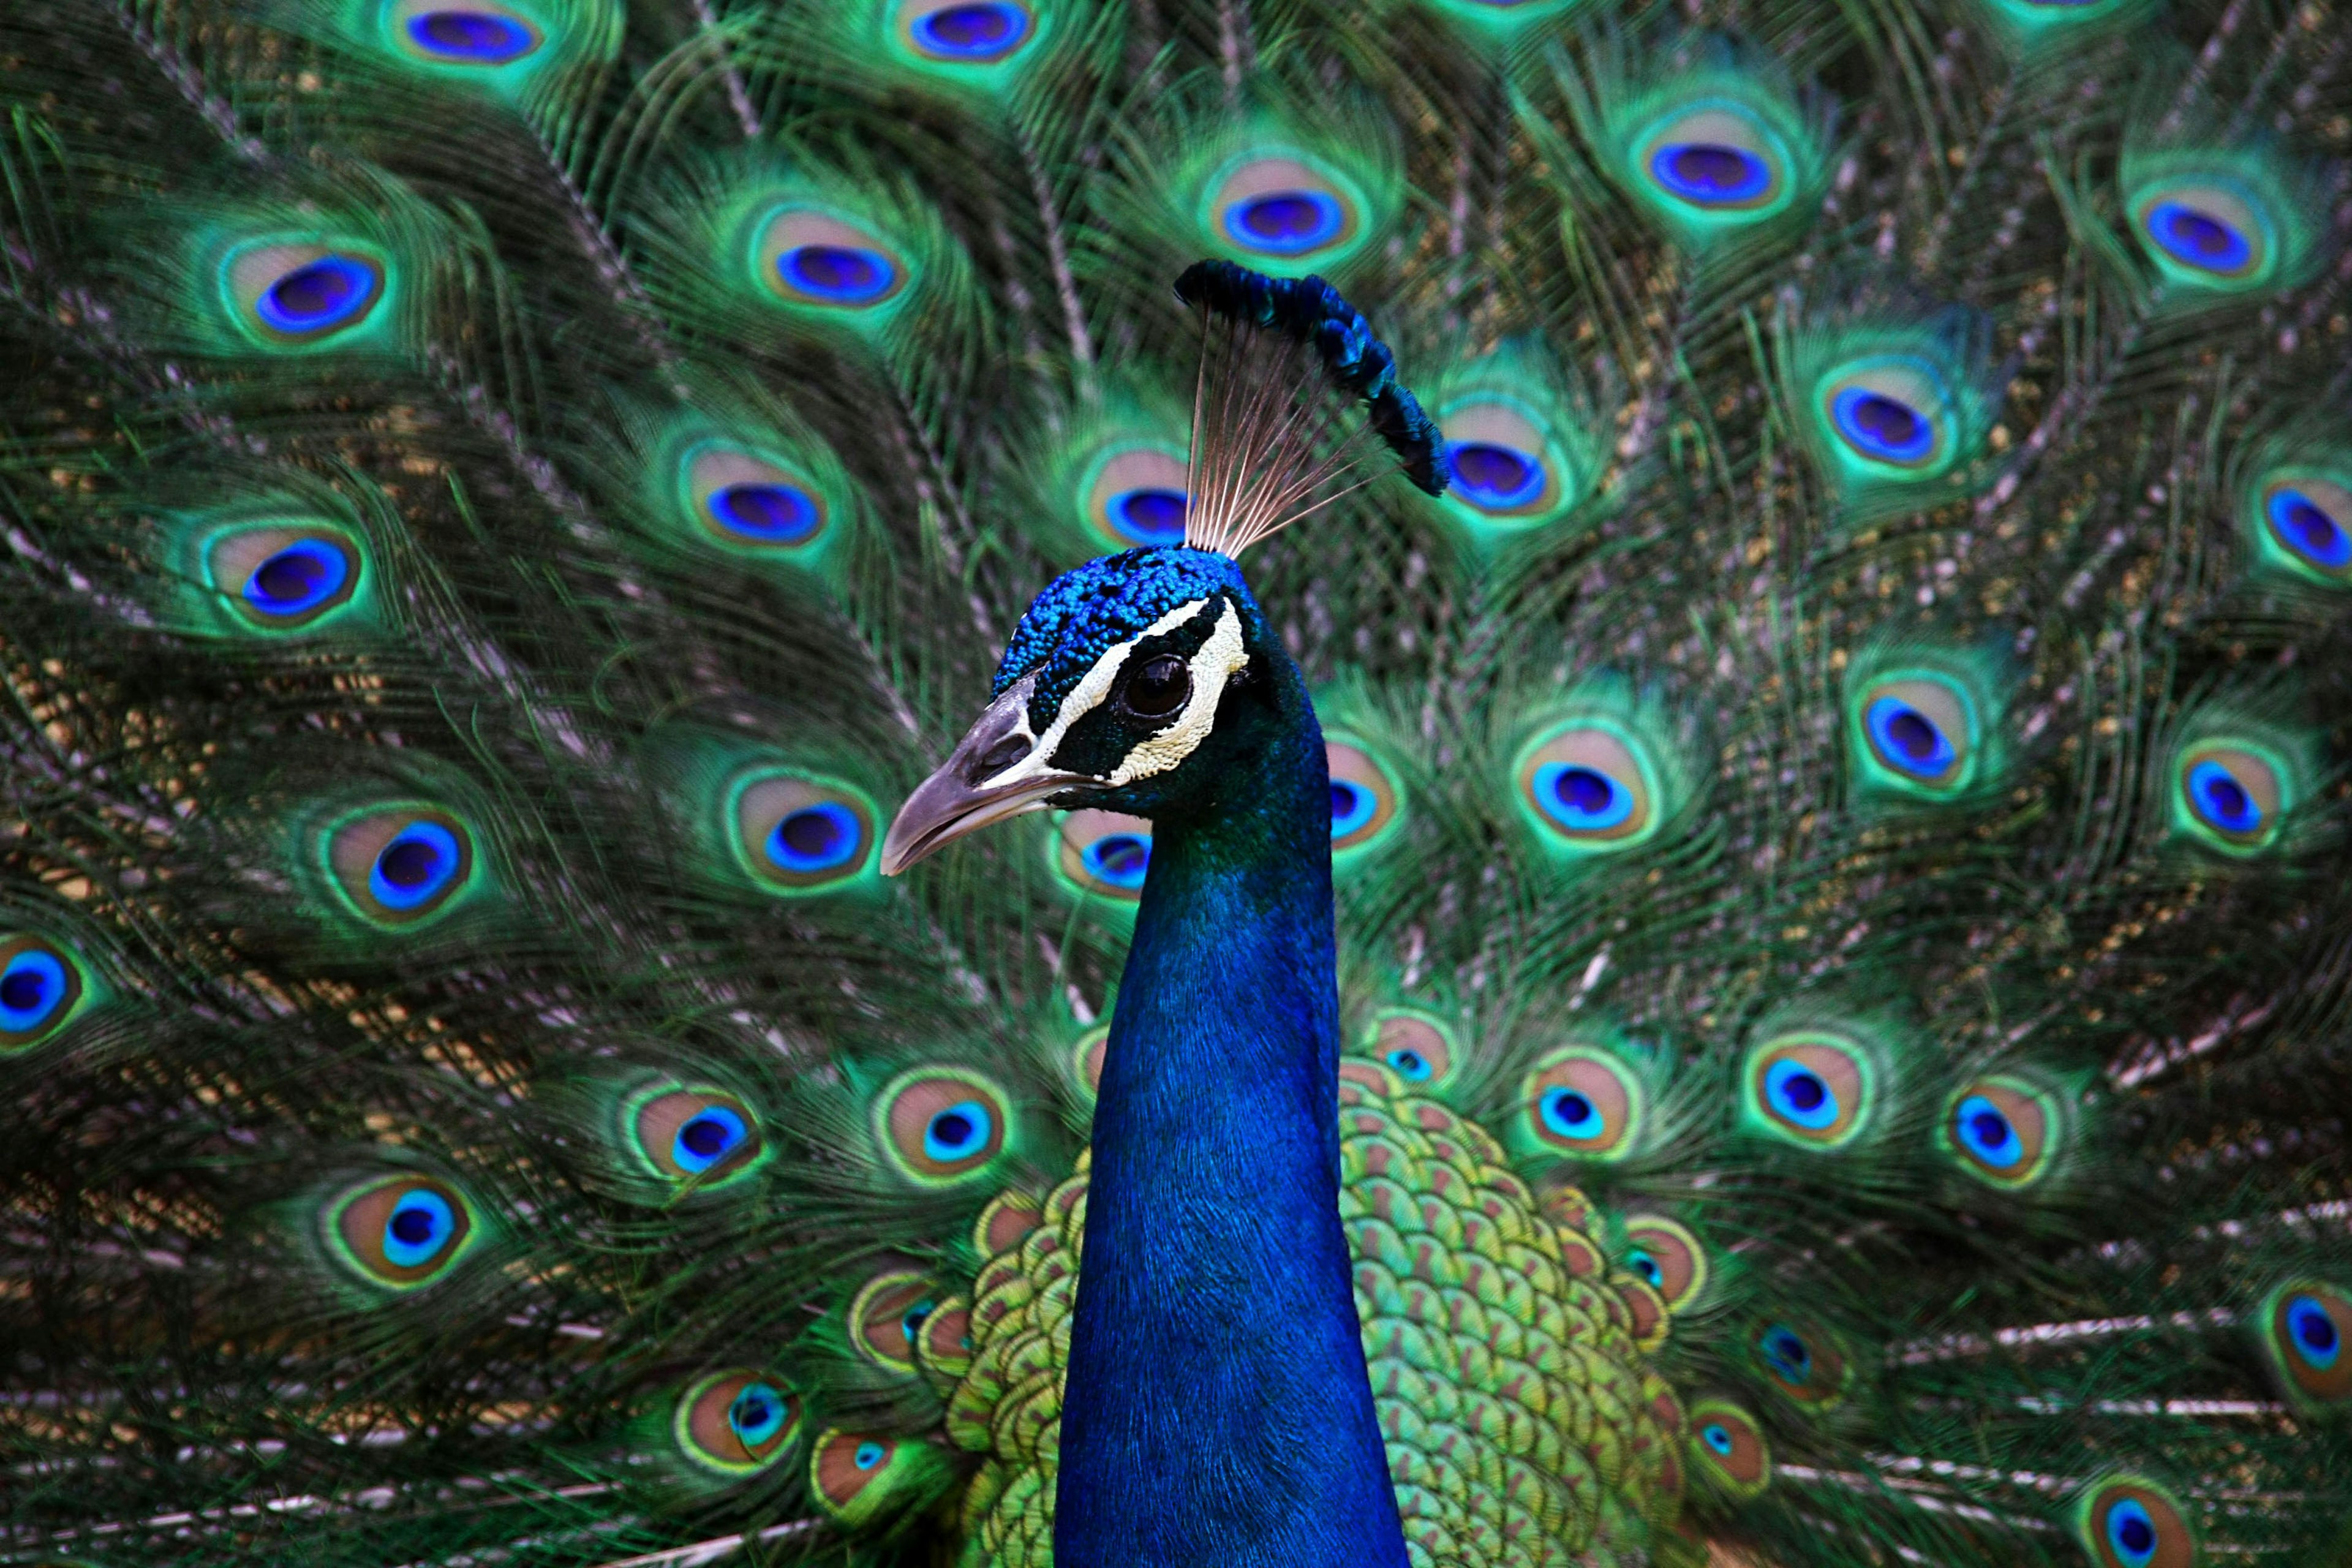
(298, 579)
(1881, 426)
(1286, 223)
(332, 291)
(1799, 1094)
(1581, 799)
(972, 32)
(958, 1133)
(707, 1138)
(1716, 1437)
(2131, 1533)
(1709, 174)
(1987, 1134)
(33, 988)
(1908, 739)
(420, 1223)
(2305, 526)
(1786, 1352)
(1646, 1266)
(1149, 517)
(2199, 239)
(870, 1454)
(757, 1413)
(818, 838)
(773, 515)
(420, 862)
(471, 37)
(1119, 858)
(1409, 1064)
(1571, 1114)
(916, 1316)
(2221, 800)
(1353, 806)
(1494, 477)
(838, 274)
(2311, 1331)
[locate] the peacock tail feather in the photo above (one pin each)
(1844, 947)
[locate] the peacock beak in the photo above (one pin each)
(992, 774)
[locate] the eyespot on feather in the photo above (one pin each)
(1133, 496)
(742, 501)
(1888, 410)
(1809, 1088)
(41, 984)
(2004, 1131)
(1104, 853)
(814, 260)
(699, 1134)
(941, 1126)
(1587, 787)
(1715, 156)
(735, 1423)
(283, 577)
(2306, 520)
(1499, 459)
(1580, 1102)
(1283, 205)
(887, 1314)
(1365, 800)
(856, 1478)
(2229, 796)
(2303, 1327)
(301, 293)
(799, 835)
(1728, 1447)
(1922, 731)
(1414, 1045)
(2209, 231)
(967, 33)
(400, 1232)
(1669, 1256)
(1801, 1363)
(2129, 1521)
(473, 36)
(401, 867)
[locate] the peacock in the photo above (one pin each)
(1227, 783)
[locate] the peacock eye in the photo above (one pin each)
(2311, 519)
(1729, 1446)
(1589, 788)
(1158, 688)
(1414, 1047)
(401, 866)
(2204, 232)
(479, 33)
(939, 1127)
(303, 293)
(2005, 1131)
(735, 1423)
(2131, 1523)
(701, 1135)
(1807, 1368)
(401, 1231)
(1891, 411)
(1579, 1102)
(745, 502)
(797, 836)
(1920, 732)
(1717, 158)
(1135, 495)
(1364, 798)
(977, 32)
(39, 985)
(2302, 1328)
(814, 259)
(1284, 207)
(2233, 797)
(1810, 1089)
(887, 1314)
(1669, 1256)
(282, 578)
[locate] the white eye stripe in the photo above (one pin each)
(1090, 691)
(1212, 666)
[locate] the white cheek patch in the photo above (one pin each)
(1090, 691)
(1212, 666)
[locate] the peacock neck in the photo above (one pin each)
(1217, 1409)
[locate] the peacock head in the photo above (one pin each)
(1132, 684)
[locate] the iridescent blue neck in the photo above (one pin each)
(1217, 1411)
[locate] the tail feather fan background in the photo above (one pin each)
(1838, 811)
